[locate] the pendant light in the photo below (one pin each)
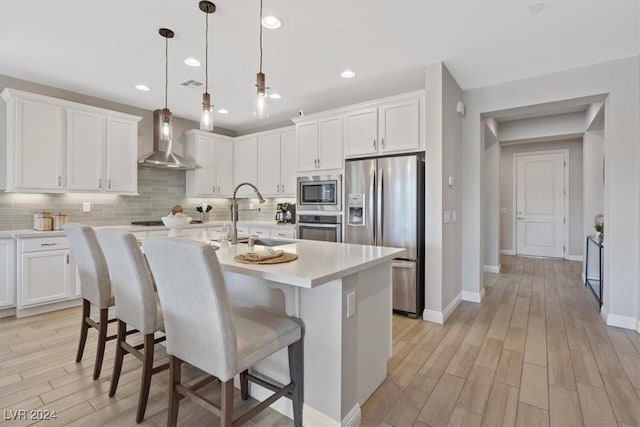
(260, 105)
(206, 118)
(166, 131)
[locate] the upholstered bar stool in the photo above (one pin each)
(203, 331)
(95, 287)
(137, 306)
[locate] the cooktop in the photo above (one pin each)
(157, 222)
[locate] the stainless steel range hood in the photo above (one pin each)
(163, 157)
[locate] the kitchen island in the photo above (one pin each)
(345, 348)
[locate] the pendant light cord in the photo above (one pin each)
(206, 53)
(261, 36)
(166, 70)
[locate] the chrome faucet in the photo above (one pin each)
(234, 210)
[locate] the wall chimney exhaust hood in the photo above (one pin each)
(162, 156)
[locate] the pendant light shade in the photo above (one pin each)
(261, 104)
(206, 116)
(166, 128)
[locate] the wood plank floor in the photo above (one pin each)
(535, 352)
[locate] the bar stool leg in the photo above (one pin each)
(226, 405)
(84, 329)
(244, 385)
(102, 339)
(175, 375)
(296, 372)
(147, 370)
(120, 352)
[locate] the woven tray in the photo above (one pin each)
(285, 257)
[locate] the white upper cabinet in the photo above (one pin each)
(214, 154)
(35, 145)
(394, 126)
(86, 142)
(246, 164)
(55, 146)
(320, 144)
(277, 155)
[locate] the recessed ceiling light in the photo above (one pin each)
(192, 62)
(347, 74)
(275, 96)
(223, 111)
(143, 88)
(536, 7)
(271, 22)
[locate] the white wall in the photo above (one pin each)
(492, 199)
(575, 246)
(593, 185)
(620, 79)
(443, 159)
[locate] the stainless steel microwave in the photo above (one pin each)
(320, 193)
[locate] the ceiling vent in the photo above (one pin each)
(192, 83)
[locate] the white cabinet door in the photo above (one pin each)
(202, 181)
(122, 156)
(246, 165)
(361, 132)
(45, 277)
(330, 133)
(307, 146)
(7, 274)
(259, 231)
(399, 126)
(269, 164)
(225, 167)
(288, 160)
(39, 147)
(85, 150)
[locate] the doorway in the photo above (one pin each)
(541, 203)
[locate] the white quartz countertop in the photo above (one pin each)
(317, 263)
(21, 234)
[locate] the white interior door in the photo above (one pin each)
(540, 209)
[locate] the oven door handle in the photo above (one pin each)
(307, 224)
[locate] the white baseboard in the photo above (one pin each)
(353, 418)
(39, 309)
(575, 258)
(492, 268)
(7, 312)
(625, 322)
(473, 296)
(441, 316)
(507, 252)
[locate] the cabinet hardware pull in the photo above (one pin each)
(67, 258)
(281, 234)
(382, 142)
(109, 183)
(99, 182)
(278, 188)
(282, 188)
(48, 244)
(374, 143)
(318, 163)
(59, 181)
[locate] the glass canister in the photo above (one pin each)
(42, 221)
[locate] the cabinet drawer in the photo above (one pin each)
(45, 244)
(287, 233)
(260, 231)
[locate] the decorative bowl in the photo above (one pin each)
(175, 225)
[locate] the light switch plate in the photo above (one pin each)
(86, 206)
(447, 217)
(450, 181)
(454, 216)
(504, 210)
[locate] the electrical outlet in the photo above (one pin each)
(351, 304)
(86, 206)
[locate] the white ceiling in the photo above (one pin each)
(104, 47)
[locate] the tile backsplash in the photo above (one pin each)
(159, 190)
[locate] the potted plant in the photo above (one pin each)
(598, 224)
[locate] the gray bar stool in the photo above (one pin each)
(203, 331)
(95, 287)
(137, 305)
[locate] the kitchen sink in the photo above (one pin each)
(272, 242)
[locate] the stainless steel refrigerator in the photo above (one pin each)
(385, 207)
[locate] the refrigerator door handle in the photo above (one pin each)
(380, 203)
(372, 205)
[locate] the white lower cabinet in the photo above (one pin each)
(260, 231)
(46, 273)
(7, 274)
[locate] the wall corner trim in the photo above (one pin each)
(578, 258)
(353, 418)
(492, 268)
(441, 316)
(625, 322)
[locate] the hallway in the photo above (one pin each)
(535, 352)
